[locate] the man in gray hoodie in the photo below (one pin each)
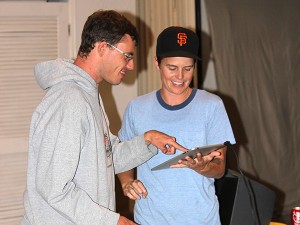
(73, 157)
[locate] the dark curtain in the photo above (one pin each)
(256, 52)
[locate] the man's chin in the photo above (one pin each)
(116, 82)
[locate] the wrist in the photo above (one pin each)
(124, 184)
(147, 138)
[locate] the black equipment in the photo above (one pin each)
(244, 201)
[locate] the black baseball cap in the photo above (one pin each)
(177, 41)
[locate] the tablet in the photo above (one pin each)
(205, 150)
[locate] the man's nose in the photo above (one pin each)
(130, 65)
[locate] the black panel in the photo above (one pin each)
(244, 201)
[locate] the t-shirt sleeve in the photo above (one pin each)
(127, 130)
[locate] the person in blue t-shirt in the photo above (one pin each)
(185, 193)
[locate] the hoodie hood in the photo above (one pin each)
(53, 72)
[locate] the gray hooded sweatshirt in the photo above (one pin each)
(72, 156)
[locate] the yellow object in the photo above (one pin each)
(276, 223)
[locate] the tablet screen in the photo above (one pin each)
(192, 153)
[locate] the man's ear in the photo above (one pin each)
(101, 47)
(156, 63)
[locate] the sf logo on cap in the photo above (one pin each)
(181, 38)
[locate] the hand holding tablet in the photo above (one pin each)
(205, 150)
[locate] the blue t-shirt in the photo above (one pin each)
(178, 196)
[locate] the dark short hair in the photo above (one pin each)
(105, 25)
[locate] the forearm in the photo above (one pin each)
(126, 177)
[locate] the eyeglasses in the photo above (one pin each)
(128, 57)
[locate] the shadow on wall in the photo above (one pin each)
(123, 203)
(206, 49)
(237, 127)
(229, 102)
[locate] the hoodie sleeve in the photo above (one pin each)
(61, 135)
(132, 153)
